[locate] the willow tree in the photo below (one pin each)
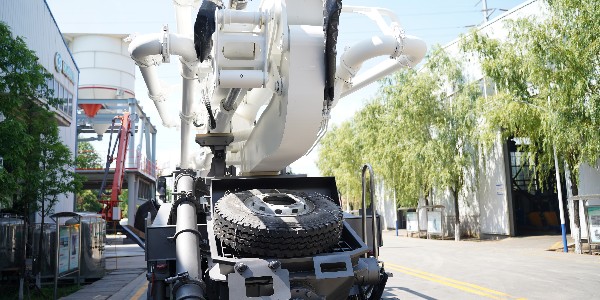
(547, 74)
(419, 134)
(340, 156)
(431, 129)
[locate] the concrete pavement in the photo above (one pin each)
(510, 268)
(126, 273)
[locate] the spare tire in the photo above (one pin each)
(277, 223)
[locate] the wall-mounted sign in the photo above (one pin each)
(62, 67)
(499, 189)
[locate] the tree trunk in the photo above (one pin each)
(456, 215)
(576, 219)
(38, 262)
(23, 279)
(574, 187)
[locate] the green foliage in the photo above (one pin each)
(339, 156)
(37, 166)
(87, 156)
(124, 204)
(418, 134)
(10, 291)
(87, 200)
(546, 72)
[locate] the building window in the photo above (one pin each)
(55, 86)
(522, 171)
(70, 104)
(64, 97)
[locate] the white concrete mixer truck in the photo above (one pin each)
(259, 83)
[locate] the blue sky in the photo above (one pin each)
(434, 21)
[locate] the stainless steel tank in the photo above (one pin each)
(12, 232)
(93, 264)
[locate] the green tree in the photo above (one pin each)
(87, 156)
(431, 135)
(419, 134)
(123, 202)
(546, 71)
(87, 200)
(339, 156)
(38, 166)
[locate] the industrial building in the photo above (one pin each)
(500, 200)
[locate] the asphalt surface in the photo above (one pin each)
(512, 268)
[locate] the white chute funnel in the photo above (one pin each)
(100, 129)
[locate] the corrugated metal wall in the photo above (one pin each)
(33, 21)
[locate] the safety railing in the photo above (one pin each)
(145, 165)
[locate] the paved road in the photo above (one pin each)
(126, 274)
(514, 268)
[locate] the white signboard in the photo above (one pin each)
(434, 222)
(499, 189)
(74, 248)
(594, 221)
(68, 248)
(63, 249)
(412, 224)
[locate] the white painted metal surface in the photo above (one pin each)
(268, 62)
(106, 70)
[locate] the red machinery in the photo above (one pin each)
(111, 206)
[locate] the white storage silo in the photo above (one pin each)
(106, 70)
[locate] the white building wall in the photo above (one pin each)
(486, 207)
(494, 191)
(588, 181)
(588, 185)
(386, 205)
(33, 21)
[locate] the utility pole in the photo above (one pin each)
(560, 203)
(486, 15)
